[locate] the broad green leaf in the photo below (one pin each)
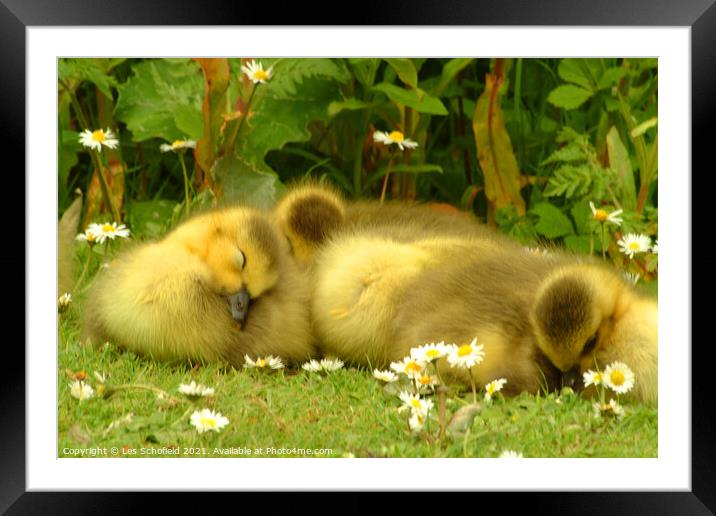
(288, 74)
(417, 99)
(494, 151)
(364, 70)
(276, 118)
(450, 71)
(581, 213)
(644, 127)
(189, 121)
(620, 163)
(581, 243)
(149, 100)
(580, 71)
(568, 96)
(351, 104)
(552, 222)
(610, 77)
(86, 70)
(149, 218)
(405, 70)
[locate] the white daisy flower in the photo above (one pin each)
(394, 137)
(632, 277)
(81, 390)
(493, 387)
(655, 247)
(194, 390)
(90, 235)
(426, 382)
(592, 378)
(417, 421)
(467, 355)
(63, 302)
(385, 376)
(110, 231)
(255, 71)
(95, 139)
(415, 403)
(610, 409)
(268, 362)
(618, 377)
(511, 454)
(331, 364)
(313, 366)
(602, 216)
(409, 366)
(633, 243)
(205, 420)
(429, 352)
(178, 145)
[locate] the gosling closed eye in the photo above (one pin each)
(240, 259)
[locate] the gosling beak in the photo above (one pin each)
(239, 305)
(572, 379)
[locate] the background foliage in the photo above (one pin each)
(525, 144)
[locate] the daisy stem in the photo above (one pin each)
(441, 412)
(385, 180)
(186, 184)
(248, 109)
(604, 249)
(104, 186)
(84, 271)
(472, 382)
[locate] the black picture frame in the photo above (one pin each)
(17, 15)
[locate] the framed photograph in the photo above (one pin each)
(570, 95)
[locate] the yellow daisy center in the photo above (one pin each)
(413, 367)
(90, 237)
(597, 378)
(634, 246)
(261, 75)
(491, 388)
(261, 362)
(108, 228)
(99, 136)
(425, 380)
(396, 136)
(617, 377)
(464, 350)
(177, 143)
(601, 215)
(432, 353)
(416, 403)
(208, 422)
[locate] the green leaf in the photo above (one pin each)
(568, 96)
(417, 169)
(149, 100)
(552, 222)
(149, 218)
(276, 118)
(644, 127)
(288, 73)
(621, 164)
(189, 121)
(351, 104)
(364, 70)
(405, 70)
(450, 71)
(581, 213)
(86, 70)
(610, 77)
(583, 72)
(571, 152)
(417, 99)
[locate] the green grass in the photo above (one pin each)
(347, 412)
